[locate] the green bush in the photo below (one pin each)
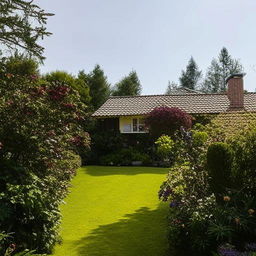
(199, 138)
(211, 191)
(165, 146)
(125, 157)
(41, 134)
(219, 164)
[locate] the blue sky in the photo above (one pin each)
(154, 37)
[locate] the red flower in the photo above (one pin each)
(58, 93)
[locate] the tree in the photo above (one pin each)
(128, 86)
(22, 24)
(98, 86)
(76, 83)
(41, 134)
(191, 77)
(20, 64)
(171, 87)
(219, 70)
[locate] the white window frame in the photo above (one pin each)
(138, 123)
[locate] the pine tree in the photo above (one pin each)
(128, 86)
(99, 87)
(22, 24)
(191, 76)
(171, 87)
(219, 70)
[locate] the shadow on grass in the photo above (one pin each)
(143, 233)
(123, 170)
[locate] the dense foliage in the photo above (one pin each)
(40, 136)
(77, 83)
(166, 120)
(128, 86)
(211, 190)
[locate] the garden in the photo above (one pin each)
(194, 193)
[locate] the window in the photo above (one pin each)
(132, 125)
(138, 125)
(127, 128)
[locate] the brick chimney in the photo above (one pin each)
(235, 91)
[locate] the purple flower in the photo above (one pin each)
(174, 204)
(251, 247)
(228, 250)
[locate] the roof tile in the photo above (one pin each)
(191, 103)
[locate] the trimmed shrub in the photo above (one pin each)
(219, 163)
(199, 138)
(165, 120)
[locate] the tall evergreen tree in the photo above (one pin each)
(219, 70)
(191, 76)
(22, 25)
(171, 87)
(128, 86)
(99, 87)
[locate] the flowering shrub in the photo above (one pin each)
(165, 120)
(211, 192)
(40, 138)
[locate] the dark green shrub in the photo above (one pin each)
(219, 164)
(125, 157)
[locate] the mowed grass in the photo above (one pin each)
(114, 211)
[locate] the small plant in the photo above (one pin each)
(165, 147)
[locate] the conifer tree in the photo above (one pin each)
(98, 86)
(219, 70)
(171, 87)
(191, 76)
(128, 86)
(22, 24)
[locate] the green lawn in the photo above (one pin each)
(114, 211)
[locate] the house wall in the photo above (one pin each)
(109, 124)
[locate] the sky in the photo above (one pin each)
(155, 38)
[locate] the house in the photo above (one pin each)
(127, 113)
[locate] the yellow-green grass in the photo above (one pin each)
(114, 211)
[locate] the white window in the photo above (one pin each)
(138, 125)
(127, 128)
(133, 125)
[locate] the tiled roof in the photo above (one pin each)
(191, 103)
